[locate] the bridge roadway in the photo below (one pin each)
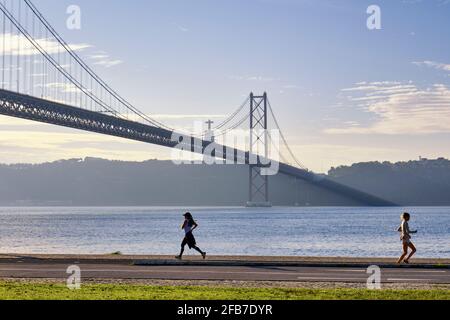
(31, 108)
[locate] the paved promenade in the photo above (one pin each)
(224, 260)
(224, 268)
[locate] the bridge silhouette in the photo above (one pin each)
(45, 80)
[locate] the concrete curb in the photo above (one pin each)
(68, 261)
(225, 261)
(228, 263)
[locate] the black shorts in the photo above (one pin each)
(189, 240)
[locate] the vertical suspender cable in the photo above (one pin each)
(18, 48)
(32, 58)
(11, 58)
(4, 50)
(26, 58)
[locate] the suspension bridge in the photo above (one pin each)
(44, 79)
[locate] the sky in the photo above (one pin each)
(343, 93)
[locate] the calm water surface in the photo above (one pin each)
(230, 231)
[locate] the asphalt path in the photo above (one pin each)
(58, 270)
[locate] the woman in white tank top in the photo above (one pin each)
(406, 238)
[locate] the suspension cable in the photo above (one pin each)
(284, 139)
(50, 58)
(226, 121)
(103, 84)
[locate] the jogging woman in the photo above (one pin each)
(189, 226)
(406, 238)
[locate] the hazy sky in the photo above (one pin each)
(342, 93)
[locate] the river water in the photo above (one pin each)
(331, 231)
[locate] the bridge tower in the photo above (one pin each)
(258, 193)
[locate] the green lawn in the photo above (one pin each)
(19, 290)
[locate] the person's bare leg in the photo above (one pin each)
(413, 250)
(405, 253)
(180, 256)
(200, 251)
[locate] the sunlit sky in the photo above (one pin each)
(342, 93)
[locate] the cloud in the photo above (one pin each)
(33, 142)
(411, 1)
(181, 28)
(104, 60)
(399, 109)
(253, 78)
(291, 86)
(20, 45)
(108, 63)
(98, 56)
(62, 87)
(433, 64)
(439, 2)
